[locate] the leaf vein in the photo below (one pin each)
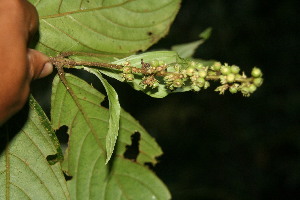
(23, 191)
(34, 173)
(54, 27)
(85, 10)
(44, 155)
(103, 34)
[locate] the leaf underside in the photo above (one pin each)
(25, 172)
(85, 157)
(114, 27)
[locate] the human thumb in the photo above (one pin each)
(39, 64)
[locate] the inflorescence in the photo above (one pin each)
(174, 76)
(194, 75)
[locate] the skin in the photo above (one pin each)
(19, 65)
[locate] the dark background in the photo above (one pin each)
(221, 147)
(231, 147)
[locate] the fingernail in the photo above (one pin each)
(48, 68)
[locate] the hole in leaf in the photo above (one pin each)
(105, 103)
(132, 151)
(62, 134)
(149, 165)
(149, 33)
(52, 159)
(67, 177)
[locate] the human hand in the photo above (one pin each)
(19, 65)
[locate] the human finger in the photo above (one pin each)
(39, 64)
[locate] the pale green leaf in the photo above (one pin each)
(188, 50)
(114, 114)
(114, 27)
(25, 172)
(85, 161)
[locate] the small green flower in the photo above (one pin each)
(216, 66)
(256, 72)
(169, 78)
(129, 77)
(178, 83)
(238, 76)
(233, 90)
(202, 73)
(126, 70)
(192, 64)
(206, 85)
(223, 79)
(230, 78)
(252, 88)
(190, 71)
(235, 69)
(200, 82)
(154, 63)
(221, 89)
(196, 88)
(211, 73)
(245, 91)
(155, 85)
(225, 69)
(258, 82)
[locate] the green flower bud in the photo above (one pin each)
(233, 90)
(192, 64)
(223, 80)
(211, 73)
(129, 77)
(216, 66)
(169, 78)
(190, 71)
(245, 91)
(235, 69)
(202, 73)
(196, 88)
(155, 84)
(230, 78)
(126, 70)
(252, 88)
(258, 82)
(256, 72)
(178, 83)
(200, 81)
(225, 70)
(238, 76)
(154, 63)
(206, 85)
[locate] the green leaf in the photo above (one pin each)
(25, 172)
(114, 27)
(85, 161)
(188, 50)
(114, 114)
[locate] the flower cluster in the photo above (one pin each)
(194, 75)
